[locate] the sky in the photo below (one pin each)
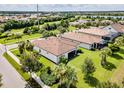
(62, 7)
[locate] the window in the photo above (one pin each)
(109, 28)
(106, 38)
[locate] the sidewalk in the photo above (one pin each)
(14, 57)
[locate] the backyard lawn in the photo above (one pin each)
(113, 73)
(101, 74)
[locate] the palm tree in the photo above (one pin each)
(72, 78)
(60, 73)
(66, 75)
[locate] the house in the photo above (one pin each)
(55, 47)
(114, 30)
(85, 40)
(97, 32)
(79, 22)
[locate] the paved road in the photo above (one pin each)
(11, 78)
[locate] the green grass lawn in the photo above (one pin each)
(71, 28)
(20, 31)
(24, 37)
(101, 74)
(25, 75)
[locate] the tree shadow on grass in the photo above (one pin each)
(121, 51)
(92, 81)
(117, 56)
(109, 66)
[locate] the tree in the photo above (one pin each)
(66, 75)
(114, 48)
(103, 58)
(0, 80)
(29, 46)
(104, 53)
(62, 29)
(30, 63)
(119, 41)
(45, 34)
(26, 30)
(21, 47)
(64, 23)
(88, 67)
(25, 46)
(51, 78)
(72, 77)
(63, 60)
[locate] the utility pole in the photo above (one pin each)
(38, 15)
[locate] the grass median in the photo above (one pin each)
(25, 75)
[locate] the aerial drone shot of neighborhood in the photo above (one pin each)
(61, 46)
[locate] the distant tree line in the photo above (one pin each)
(14, 24)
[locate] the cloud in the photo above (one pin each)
(62, 7)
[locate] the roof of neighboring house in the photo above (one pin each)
(79, 22)
(94, 31)
(118, 27)
(55, 45)
(83, 38)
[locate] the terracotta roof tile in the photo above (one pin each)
(55, 45)
(118, 27)
(94, 31)
(80, 37)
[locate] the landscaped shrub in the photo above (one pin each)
(114, 48)
(79, 51)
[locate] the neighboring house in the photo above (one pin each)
(79, 22)
(86, 41)
(114, 30)
(103, 34)
(66, 44)
(55, 47)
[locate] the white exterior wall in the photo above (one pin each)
(47, 54)
(51, 56)
(84, 45)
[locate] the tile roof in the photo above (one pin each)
(94, 31)
(118, 27)
(55, 45)
(83, 38)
